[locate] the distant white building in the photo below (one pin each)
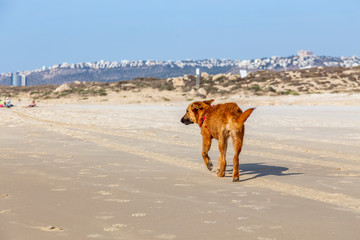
(23, 80)
(18, 79)
(305, 53)
(243, 73)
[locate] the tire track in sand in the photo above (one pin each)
(338, 199)
(77, 131)
(258, 143)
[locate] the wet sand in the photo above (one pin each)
(136, 172)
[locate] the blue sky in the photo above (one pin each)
(36, 33)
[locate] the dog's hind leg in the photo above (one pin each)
(205, 150)
(222, 157)
(237, 140)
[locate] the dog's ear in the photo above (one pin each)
(208, 102)
(197, 105)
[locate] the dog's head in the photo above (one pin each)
(193, 111)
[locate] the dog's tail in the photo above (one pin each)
(244, 116)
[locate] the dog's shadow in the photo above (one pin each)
(255, 170)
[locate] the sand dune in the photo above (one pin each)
(135, 172)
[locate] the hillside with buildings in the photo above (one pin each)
(261, 83)
(104, 71)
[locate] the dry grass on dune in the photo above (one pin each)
(262, 83)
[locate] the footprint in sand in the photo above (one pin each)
(115, 227)
(84, 171)
(255, 207)
(209, 222)
(104, 217)
(240, 194)
(58, 189)
(96, 166)
(105, 193)
(95, 235)
(3, 195)
(166, 236)
(249, 229)
(138, 214)
(114, 185)
(117, 200)
(100, 176)
(51, 229)
(5, 211)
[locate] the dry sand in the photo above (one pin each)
(133, 171)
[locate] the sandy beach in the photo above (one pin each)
(133, 171)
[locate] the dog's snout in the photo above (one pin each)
(185, 120)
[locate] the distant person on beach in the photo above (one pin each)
(33, 104)
(8, 103)
(2, 103)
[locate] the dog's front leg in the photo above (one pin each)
(205, 150)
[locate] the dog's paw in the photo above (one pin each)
(217, 171)
(210, 166)
(236, 179)
(221, 174)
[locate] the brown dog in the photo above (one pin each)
(219, 122)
